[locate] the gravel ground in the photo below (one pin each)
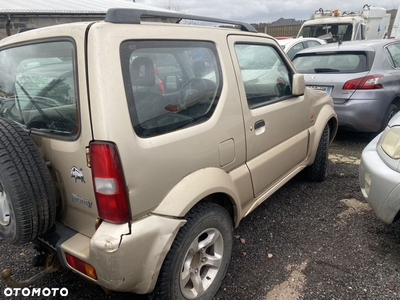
(308, 241)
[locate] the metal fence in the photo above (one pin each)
(275, 31)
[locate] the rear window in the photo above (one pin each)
(338, 62)
(170, 85)
(37, 87)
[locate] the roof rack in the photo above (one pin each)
(133, 16)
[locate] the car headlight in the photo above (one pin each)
(391, 142)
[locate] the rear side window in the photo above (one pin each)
(37, 87)
(296, 48)
(170, 85)
(312, 43)
(394, 54)
(335, 63)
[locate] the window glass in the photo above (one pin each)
(334, 63)
(38, 89)
(170, 85)
(394, 55)
(305, 32)
(329, 32)
(312, 44)
(363, 32)
(264, 74)
(296, 48)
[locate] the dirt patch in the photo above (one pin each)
(292, 288)
(353, 207)
(339, 158)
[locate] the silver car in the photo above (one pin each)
(363, 78)
(380, 172)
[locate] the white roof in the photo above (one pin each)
(68, 6)
(301, 39)
(289, 43)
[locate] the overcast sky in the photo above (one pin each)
(258, 11)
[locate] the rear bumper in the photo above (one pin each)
(364, 111)
(361, 115)
(125, 259)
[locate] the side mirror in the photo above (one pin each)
(299, 85)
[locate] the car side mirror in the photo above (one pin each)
(299, 85)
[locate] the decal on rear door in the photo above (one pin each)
(77, 174)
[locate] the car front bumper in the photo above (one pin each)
(379, 184)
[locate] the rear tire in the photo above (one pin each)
(318, 171)
(199, 257)
(27, 198)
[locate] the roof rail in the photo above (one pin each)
(133, 16)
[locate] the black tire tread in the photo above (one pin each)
(28, 182)
(161, 291)
(391, 109)
(318, 170)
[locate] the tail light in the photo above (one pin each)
(109, 183)
(364, 83)
(81, 266)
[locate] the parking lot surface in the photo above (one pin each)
(308, 241)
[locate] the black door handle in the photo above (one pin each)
(259, 124)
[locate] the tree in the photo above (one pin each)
(173, 5)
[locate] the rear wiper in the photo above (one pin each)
(325, 70)
(53, 131)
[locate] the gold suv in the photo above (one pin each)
(129, 150)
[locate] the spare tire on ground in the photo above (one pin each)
(27, 196)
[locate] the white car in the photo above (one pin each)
(380, 172)
(292, 46)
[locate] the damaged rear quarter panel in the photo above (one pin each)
(127, 259)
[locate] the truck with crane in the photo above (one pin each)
(395, 33)
(370, 23)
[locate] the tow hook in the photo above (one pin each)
(52, 265)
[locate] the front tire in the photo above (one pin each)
(199, 257)
(318, 171)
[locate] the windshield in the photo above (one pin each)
(37, 87)
(329, 32)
